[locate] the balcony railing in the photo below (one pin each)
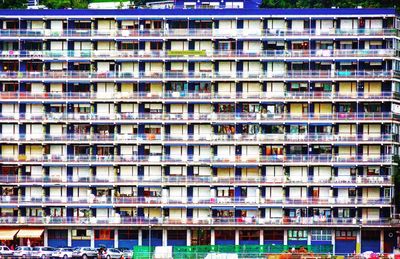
(251, 75)
(184, 180)
(185, 33)
(184, 54)
(201, 138)
(143, 117)
(220, 201)
(53, 220)
(337, 158)
(185, 96)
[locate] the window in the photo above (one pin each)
(104, 234)
(345, 235)
(202, 87)
(81, 233)
(225, 234)
(251, 108)
(273, 234)
(57, 234)
(226, 108)
(127, 234)
(343, 213)
(298, 129)
(224, 214)
(345, 107)
(176, 235)
(249, 235)
(273, 150)
(297, 234)
(321, 235)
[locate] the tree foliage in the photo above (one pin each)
(62, 4)
(329, 3)
(13, 4)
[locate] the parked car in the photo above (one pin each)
(43, 251)
(64, 253)
(127, 252)
(22, 251)
(84, 253)
(5, 252)
(112, 253)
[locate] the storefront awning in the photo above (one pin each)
(30, 233)
(7, 234)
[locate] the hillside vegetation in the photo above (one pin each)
(82, 4)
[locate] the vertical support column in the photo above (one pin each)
(140, 237)
(237, 237)
(309, 237)
(92, 238)
(164, 237)
(45, 238)
(188, 237)
(116, 238)
(69, 237)
(285, 237)
(333, 241)
(358, 242)
(261, 237)
(382, 241)
(212, 236)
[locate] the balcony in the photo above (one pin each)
(161, 221)
(196, 54)
(199, 138)
(195, 201)
(197, 117)
(195, 96)
(209, 159)
(200, 180)
(196, 33)
(195, 221)
(202, 76)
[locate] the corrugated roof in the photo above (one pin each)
(323, 12)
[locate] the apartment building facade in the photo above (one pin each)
(198, 127)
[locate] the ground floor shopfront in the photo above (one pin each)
(343, 241)
(13, 237)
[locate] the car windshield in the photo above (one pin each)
(67, 249)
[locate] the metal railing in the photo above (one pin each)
(183, 95)
(220, 201)
(183, 180)
(228, 75)
(232, 159)
(200, 138)
(243, 33)
(131, 116)
(50, 220)
(145, 54)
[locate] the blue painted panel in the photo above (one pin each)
(58, 242)
(128, 243)
(198, 12)
(249, 242)
(80, 243)
(272, 242)
(224, 242)
(154, 242)
(176, 242)
(343, 247)
(370, 245)
(321, 242)
(297, 242)
(106, 243)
